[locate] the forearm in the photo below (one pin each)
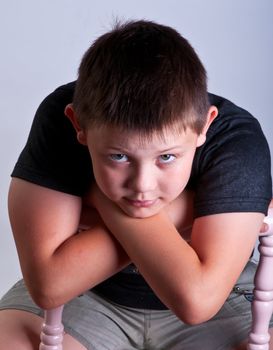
(57, 263)
(184, 275)
(80, 263)
(167, 262)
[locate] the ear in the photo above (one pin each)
(70, 113)
(212, 114)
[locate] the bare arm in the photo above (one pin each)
(58, 264)
(194, 279)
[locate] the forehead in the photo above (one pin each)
(114, 137)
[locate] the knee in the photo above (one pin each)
(19, 330)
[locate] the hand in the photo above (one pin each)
(97, 200)
(180, 212)
(89, 214)
(265, 226)
(89, 218)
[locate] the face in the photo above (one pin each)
(141, 176)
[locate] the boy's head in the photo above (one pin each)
(141, 76)
(141, 107)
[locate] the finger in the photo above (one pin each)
(264, 227)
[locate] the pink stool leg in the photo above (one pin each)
(52, 330)
(262, 306)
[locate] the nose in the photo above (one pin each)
(143, 179)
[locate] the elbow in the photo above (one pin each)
(44, 297)
(193, 316)
(195, 310)
(46, 291)
(45, 302)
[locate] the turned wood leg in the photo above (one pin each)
(262, 305)
(52, 330)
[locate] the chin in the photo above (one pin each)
(140, 213)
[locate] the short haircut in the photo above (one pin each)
(141, 76)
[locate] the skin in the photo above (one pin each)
(134, 185)
(129, 175)
(140, 219)
(141, 178)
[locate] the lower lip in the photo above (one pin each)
(141, 204)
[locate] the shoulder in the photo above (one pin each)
(58, 99)
(50, 121)
(234, 129)
(63, 93)
(52, 155)
(231, 171)
(232, 117)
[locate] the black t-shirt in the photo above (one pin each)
(230, 173)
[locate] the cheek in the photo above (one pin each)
(176, 185)
(107, 180)
(100, 176)
(176, 181)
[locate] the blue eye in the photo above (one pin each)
(166, 158)
(120, 158)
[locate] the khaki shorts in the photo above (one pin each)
(99, 324)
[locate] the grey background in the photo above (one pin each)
(42, 43)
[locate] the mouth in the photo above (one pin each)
(141, 203)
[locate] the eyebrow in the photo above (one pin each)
(171, 149)
(126, 151)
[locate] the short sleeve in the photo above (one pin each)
(231, 171)
(52, 156)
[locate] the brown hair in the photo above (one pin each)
(141, 76)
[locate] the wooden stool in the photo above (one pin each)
(52, 330)
(262, 305)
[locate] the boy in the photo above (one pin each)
(167, 159)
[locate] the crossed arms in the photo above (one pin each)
(59, 263)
